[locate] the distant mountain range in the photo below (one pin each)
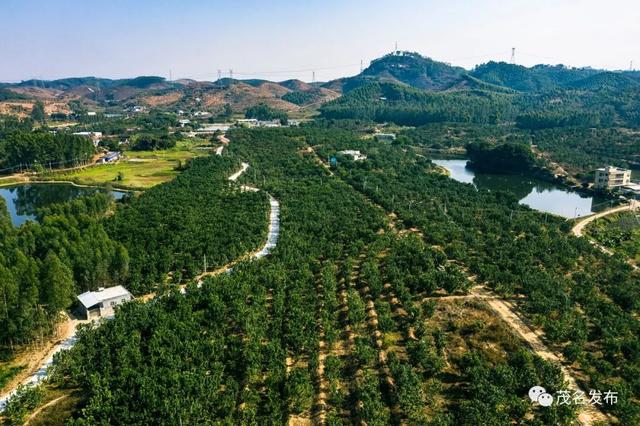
(401, 68)
(414, 70)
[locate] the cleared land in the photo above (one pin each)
(140, 169)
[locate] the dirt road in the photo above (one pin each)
(239, 173)
(588, 415)
(579, 227)
(38, 361)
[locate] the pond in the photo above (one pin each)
(537, 194)
(24, 200)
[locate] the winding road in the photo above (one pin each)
(580, 225)
(39, 372)
(509, 313)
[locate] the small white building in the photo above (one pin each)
(216, 127)
(110, 157)
(612, 177)
(355, 154)
(101, 303)
(269, 123)
(184, 122)
(96, 137)
(247, 122)
(631, 189)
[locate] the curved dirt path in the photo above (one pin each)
(36, 370)
(44, 407)
(239, 173)
(579, 227)
(38, 364)
(588, 414)
(273, 234)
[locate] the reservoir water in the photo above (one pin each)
(24, 200)
(537, 194)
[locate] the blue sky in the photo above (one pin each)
(280, 39)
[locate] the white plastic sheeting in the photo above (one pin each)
(274, 228)
(41, 374)
(272, 241)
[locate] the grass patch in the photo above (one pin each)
(8, 372)
(9, 181)
(139, 169)
(61, 411)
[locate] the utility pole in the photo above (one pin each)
(513, 55)
(313, 76)
(396, 49)
(361, 66)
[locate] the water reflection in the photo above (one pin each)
(24, 200)
(537, 194)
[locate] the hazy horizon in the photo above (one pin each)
(284, 39)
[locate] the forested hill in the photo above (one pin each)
(141, 82)
(407, 68)
(403, 105)
(413, 70)
(541, 78)
(537, 78)
(402, 87)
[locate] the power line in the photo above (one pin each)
(298, 71)
(485, 55)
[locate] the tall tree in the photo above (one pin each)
(38, 113)
(57, 284)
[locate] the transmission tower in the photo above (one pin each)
(361, 66)
(313, 76)
(513, 55)
(231, 74)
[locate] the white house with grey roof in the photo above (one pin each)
(101, 303)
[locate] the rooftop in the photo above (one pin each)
(632, 186)
(612, 169)
(92, 298)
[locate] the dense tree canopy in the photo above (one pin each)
(26, 149)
